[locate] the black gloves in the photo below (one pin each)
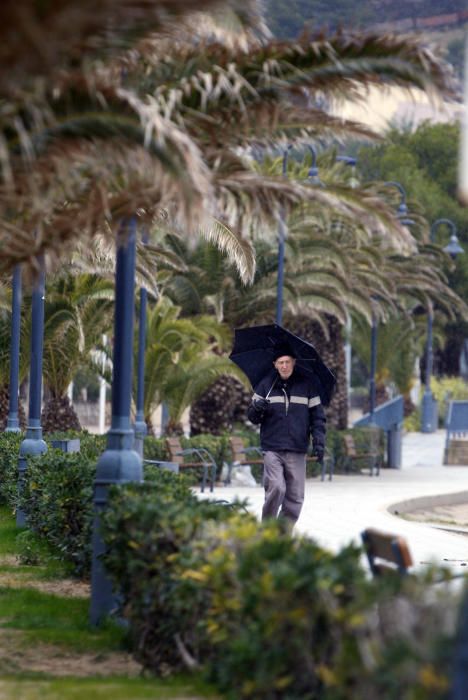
(318, 452)
(260, 405)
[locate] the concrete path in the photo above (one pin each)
(335, 512)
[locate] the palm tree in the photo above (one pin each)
(183, 357)
(168, 132)
(165, 132)
(59, 34)
(335, 267)
(78, 310)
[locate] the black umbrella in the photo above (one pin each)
(254, 349)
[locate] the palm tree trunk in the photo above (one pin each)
(220, 407)
(5, 408)
(58, 415)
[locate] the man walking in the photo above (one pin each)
(288, 408)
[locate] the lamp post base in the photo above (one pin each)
(429, 413)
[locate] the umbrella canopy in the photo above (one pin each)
(254, 351)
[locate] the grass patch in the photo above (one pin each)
(47, 640)
(123, 689)
(53, 619)
(8, 532)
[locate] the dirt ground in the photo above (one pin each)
(455, 515)
(16, 655)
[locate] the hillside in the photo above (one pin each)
(286, 18)
(443, 18)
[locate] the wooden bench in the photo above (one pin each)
(240, 458)
(386, 552)
(205, 461)
(353, 455)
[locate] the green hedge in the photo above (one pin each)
(9, 451)
(264, 615)
(58, 488)
(57, 498)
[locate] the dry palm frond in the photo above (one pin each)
(38, 39)
(88, 189)
(204, 75)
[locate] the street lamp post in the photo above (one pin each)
(312, 177)
(281, 244)
(140, 427)
(429, 415)
(402, 212)
(33, 444)
(119, 463)
(13, 425)
(373, 367)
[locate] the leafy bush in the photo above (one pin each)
(57, 498)
(364, 438)
(150, 530)
(155, 448)
(267, 616)
(9, 451)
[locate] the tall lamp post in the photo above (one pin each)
(281, 243)
(313, 178)
(140, 427)
(33, 444)
(402, 213)
(13, 425)
(429, 416)
(119, 463)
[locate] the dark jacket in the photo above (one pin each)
(294, 413)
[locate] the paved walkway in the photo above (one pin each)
(336, 512)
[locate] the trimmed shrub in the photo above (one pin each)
(264, 615)
(150, 531)
(9, 451)
(57, 497)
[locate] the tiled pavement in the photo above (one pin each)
(335, 512)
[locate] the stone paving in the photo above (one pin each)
(335, 512)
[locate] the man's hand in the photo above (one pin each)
(318, 452)
(261, 405)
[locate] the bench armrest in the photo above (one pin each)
(203, 455)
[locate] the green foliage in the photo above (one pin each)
(57, 497)
(155, 448)
(265, 615)
(425, 162)
(365, 439)
(217, 446)
(182, 358)
(449, 389)
(9, 451)
(412, 423)
(148, 530)
(116, 687)
(31, 549)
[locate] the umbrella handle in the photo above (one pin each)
(269, 390)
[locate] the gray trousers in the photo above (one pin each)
(284, 481)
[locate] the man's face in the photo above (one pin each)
(285, 365)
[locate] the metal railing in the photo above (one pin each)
(389, 417)
(456, 422)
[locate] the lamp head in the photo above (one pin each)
(453, 248)
(347, 160)
(406, 221)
